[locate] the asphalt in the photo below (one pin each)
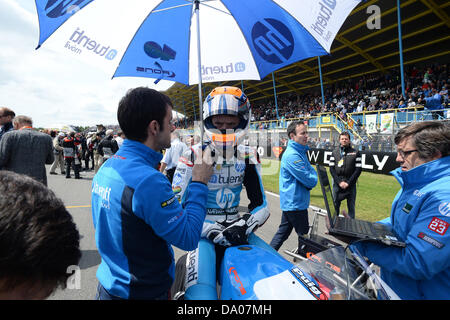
(76, 195)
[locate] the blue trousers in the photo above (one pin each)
(297, 220)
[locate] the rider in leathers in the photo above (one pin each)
(236, 165)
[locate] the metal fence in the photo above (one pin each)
(324, 129)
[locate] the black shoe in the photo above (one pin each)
(53, 173)
(68, 177)
(63, 172)
(78, 178)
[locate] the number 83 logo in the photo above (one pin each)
(439, 226)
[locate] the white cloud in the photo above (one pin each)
(45, 86)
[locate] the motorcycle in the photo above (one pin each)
(250, 272)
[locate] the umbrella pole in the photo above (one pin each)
(400, 48)
(275, 95)
(185, 114)
(200, 99)
(321, 81)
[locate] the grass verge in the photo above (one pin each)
(375, 192)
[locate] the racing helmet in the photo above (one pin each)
(226, 101)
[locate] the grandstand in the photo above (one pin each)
(362, 88)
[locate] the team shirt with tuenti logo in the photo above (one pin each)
(420, 217)
(225, 184)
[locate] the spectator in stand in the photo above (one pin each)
(411, 103)
(25, 150)
(444, 94)
(361, 106)
(433, 103)
(6, 116)
(38, 239)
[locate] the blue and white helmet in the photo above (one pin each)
(226, 101)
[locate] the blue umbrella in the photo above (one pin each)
(161, 39)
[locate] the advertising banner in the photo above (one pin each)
(371, 161)
(371, 123)
(387, 123)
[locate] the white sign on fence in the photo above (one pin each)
(387, 123)
(371, 123)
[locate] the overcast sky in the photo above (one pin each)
(45, 86)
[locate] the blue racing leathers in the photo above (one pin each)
(137, 218)
(297, 178)
(225, 186)
(420, 216)
(224, 190)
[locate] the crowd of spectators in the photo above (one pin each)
(367, 93)
(376, 143)
(73, 148)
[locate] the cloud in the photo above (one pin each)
(45, 86)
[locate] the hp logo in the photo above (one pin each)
(273, 41)
(239, 167)
(177, 179)
(224, 198)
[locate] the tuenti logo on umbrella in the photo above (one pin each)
(324, 16)
(208, 72)
(273, 40)
(79, 41)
